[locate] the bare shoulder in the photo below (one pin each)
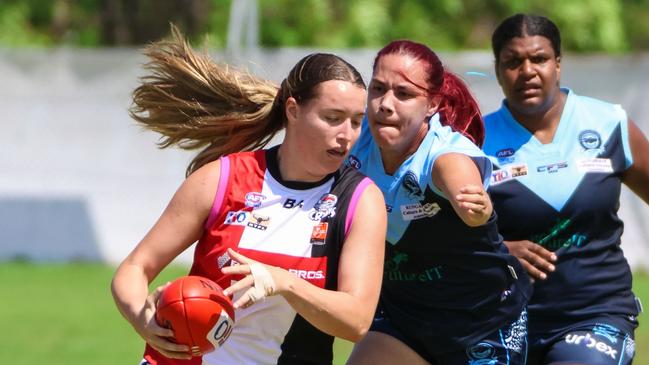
(199, 188)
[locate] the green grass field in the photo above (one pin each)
(65, 315)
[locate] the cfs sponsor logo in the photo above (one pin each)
(307, 274)
(319, 233)
(590, 139)
(505, 156)
(249, 219)
(482, 353)
(354, 162)
(324, 207)
(553, 167)
(411, 185)
(591, 343)
(254, 199)
(411, 212)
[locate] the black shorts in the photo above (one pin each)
(599, 341)
(505, 346)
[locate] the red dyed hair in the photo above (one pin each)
(458, 108)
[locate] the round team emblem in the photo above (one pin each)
(590, 139)
(480, 351)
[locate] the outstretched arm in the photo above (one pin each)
(457, 176)
(180, 225)
(637, 176)
(348, 311)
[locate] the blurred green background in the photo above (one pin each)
(63, 314)
(586, 25)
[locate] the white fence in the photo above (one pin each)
(80, 181)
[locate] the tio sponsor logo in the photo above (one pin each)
(591, 343)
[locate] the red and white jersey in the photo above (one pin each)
(300, 227)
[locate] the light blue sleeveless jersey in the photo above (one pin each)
(565, 195)
(444, 282)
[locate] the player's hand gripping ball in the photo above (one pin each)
(198, 312)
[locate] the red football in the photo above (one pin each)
(198, 312)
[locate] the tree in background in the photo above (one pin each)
(586, 25)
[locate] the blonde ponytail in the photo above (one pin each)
(195, 103)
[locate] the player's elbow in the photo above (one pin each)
(357, 333)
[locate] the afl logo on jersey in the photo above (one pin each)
(254, 200)
(354, 162)
(505, 156)
(590, 139)
(411, 185)
(325, 207)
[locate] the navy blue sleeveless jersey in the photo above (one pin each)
(564, 196)
(444, 282)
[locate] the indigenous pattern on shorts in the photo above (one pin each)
(300, 227)
(444, 281)
(564, 196)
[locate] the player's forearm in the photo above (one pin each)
(336, 313)
(130, 289)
